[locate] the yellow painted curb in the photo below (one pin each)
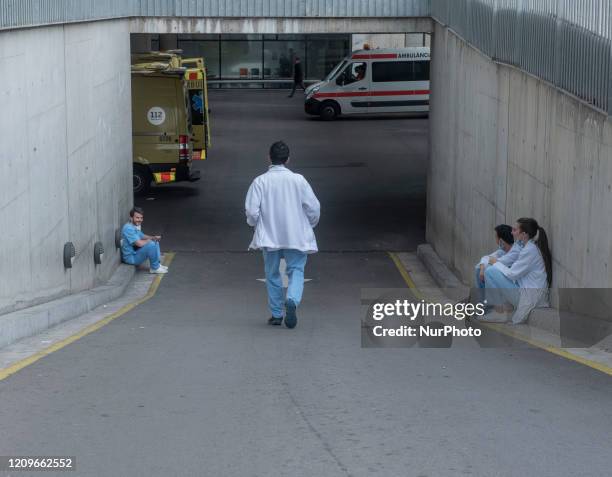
(406, 276)
(12, 369)
(550, 348)
(504, 331)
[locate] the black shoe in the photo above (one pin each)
(290, 96)
(291, 316)
(275, 321)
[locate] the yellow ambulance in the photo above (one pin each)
(161, 124)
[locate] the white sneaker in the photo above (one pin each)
(493, 317)
(160, 270)
(163, 267)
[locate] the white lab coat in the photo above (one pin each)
(507, 258)
(529, 272)
(282, 207)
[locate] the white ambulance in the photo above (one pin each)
(373, 81)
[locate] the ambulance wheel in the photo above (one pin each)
(142, 180)
(329, 111)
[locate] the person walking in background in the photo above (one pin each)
(282, 207)
(298, 76)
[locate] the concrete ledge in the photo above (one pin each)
(572, 327)
(547, 319)
(30, 321)
(437, 268)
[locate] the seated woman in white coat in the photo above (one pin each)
(525, 283)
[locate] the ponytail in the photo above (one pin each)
(531, 228)
(542, 244)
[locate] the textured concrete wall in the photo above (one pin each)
(504, 145)
(65, 156)
(281, 25)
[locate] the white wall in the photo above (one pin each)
(378, 40)
(65, 156)
(506, 145)
(389, 40)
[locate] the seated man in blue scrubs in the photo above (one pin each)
(136, 247)
(507, 252)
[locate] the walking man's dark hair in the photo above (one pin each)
(532, 228)
(279, 153)
(504, 232)
(136, 210)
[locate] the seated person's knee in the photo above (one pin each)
(150, 245)
(150, 248)
(491, 272)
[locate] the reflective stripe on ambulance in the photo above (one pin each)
(163, 177)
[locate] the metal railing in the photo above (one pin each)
(26, 13)
(565, 42)
(295, 8)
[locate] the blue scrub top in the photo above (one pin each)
(130, 235)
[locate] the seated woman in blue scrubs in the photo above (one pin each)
(525, 283)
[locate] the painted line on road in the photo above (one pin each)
(19, 365)
(406, 276)
(504, 331)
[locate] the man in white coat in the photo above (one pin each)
(284, 210)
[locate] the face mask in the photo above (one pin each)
(138, 227)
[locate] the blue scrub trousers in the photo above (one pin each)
(150, 251)
(500, 289)
(296, 261)
(477, 282)
(479, 286)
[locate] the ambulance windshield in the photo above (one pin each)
(333, 72)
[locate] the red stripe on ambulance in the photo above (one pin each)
(350, 94)
(373, 56)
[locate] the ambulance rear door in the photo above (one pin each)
(198, 103)
(154, 119)
(195, 88)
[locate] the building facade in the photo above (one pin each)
(266, 60)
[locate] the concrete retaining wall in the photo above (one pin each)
(65, 156)
(506, 145)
